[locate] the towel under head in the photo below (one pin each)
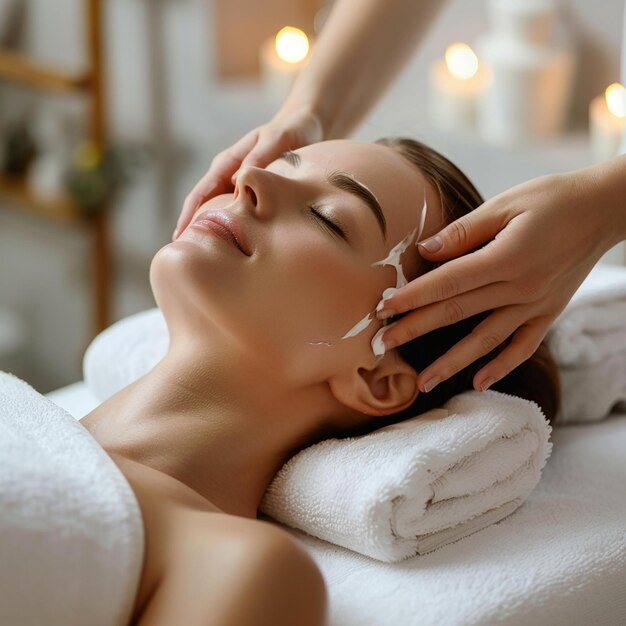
(414, 486)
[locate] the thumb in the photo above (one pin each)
(462, 235)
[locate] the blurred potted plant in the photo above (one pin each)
(95, 177)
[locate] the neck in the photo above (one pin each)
(219, 430)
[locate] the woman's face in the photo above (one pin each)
(306, 276)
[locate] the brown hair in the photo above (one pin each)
(536, 379)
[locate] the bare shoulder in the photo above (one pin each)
(233, 570)
(205, 567)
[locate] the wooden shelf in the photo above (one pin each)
(16, 67)
(61, 208)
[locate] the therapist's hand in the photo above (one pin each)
(544, 237)
(291, 128)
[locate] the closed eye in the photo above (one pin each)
(330, 225)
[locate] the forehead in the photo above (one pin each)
(397, 184)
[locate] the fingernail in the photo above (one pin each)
(234, 177)
(429, 385)
(432, 245)
(386, 314)
(390, 344)
(175, 234)
(487, 383)
(378, 345)
(379, 307)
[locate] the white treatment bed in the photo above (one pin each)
(560, 559)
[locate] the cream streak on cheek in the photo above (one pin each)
(393, 259)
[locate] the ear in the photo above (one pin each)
(387, 387)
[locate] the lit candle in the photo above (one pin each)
(282, 57)
(455, 84)
(607, 121)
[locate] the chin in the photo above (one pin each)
(193, 287)
(174, 273)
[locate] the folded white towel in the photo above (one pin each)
(414, 486)
(591, 392)
(71, 533)
(593, 325)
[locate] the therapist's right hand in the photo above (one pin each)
(290, 129)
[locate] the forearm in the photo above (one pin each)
(607, 183)
(361, 49)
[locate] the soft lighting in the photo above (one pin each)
(461, 60)
(292, 44)
(615, 95)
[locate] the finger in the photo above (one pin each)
(487, 336)
(238, 152)
(439, 314)
(470, 272)
(263, 154)
(217, 179)
(205, 189)
(464, 234)
(193, 200)
(523, 345)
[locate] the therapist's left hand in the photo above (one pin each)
(544, 237)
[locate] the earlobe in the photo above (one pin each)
(390, 386)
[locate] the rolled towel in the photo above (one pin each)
(592, 326)
(417, 485)
(592, 392)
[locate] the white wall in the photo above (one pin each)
(160, 89)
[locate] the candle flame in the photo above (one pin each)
(461, 60)
(615, 95)
(292, 44)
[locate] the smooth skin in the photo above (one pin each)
(247, 380)
(526, 291)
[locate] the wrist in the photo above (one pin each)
(606, 189)
(305, 110)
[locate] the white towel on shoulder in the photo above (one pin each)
(71, 532)
(412, 487)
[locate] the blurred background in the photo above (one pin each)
(111, 110)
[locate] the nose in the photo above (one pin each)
(259, 190)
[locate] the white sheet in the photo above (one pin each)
(560, 559)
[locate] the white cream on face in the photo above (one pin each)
(378, 347)
(393, 259)
(359, 326)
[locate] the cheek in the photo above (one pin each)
(321, 290)
(309, 291)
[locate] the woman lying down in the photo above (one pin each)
(270, 297)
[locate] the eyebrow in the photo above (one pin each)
(345, 182)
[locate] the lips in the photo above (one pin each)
(231, 224)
